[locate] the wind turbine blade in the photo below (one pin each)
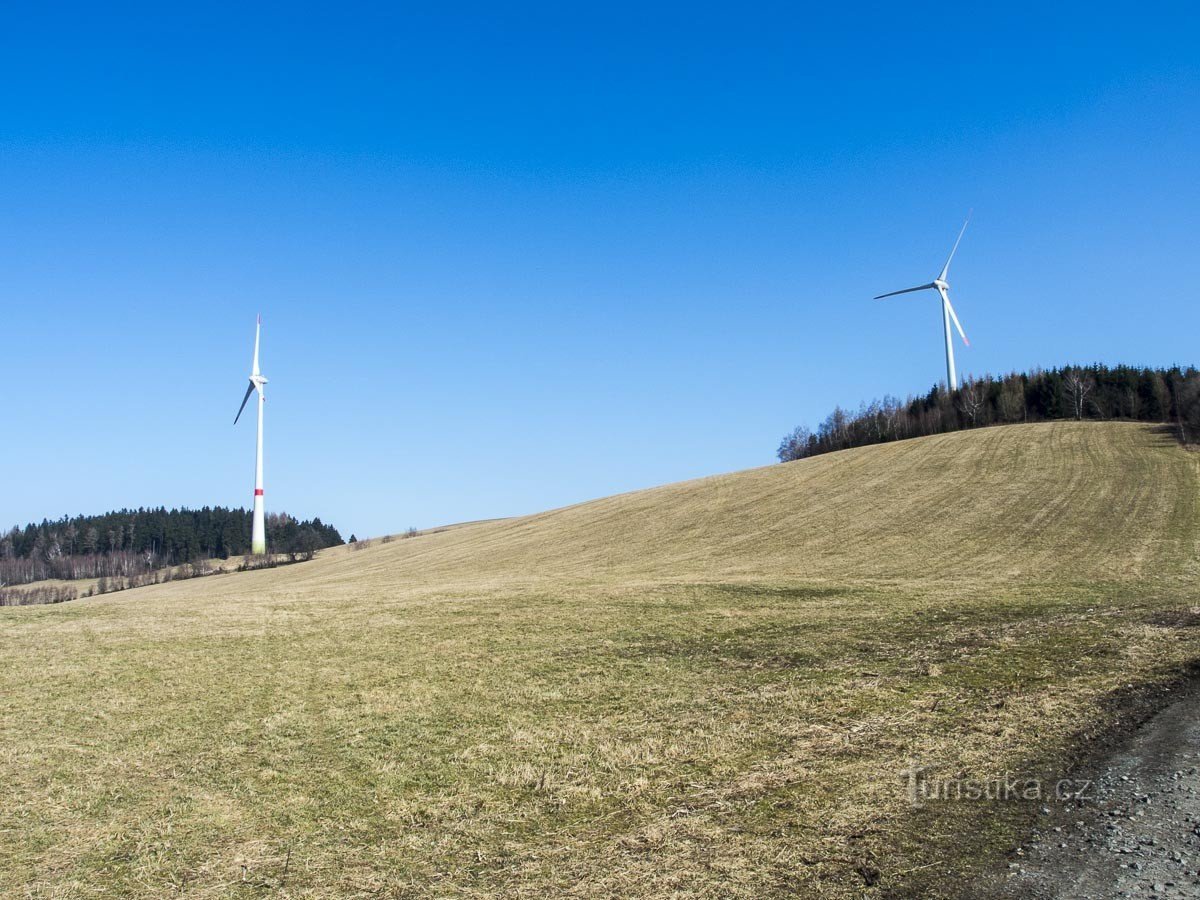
(257, 329)
(954, 318)
(923, 287)
(946, 267)
(249, 391)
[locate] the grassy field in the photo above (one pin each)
(708, 689)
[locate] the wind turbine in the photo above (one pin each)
(943, 288)
(258, 533)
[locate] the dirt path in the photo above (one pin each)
(1139, 835)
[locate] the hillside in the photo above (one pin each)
(1065, 498)
(705, 689)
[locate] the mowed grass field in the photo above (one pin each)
(708, 689)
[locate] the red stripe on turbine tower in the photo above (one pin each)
(258, 492)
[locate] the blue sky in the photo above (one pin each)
(512, 258)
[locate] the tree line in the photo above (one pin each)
(129, 543)
(1163, 395)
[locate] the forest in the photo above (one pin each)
(1170, 396)
(132, 542)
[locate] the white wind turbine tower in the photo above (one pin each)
(258, 534)
(943, 288)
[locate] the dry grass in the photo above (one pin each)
(706, 690)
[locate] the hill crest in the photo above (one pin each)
(1109, 500)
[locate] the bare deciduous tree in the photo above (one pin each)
(970, 400)
(1078, 386)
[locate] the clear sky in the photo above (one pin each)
(512, 257)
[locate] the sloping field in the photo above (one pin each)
(707, 689)
(1039, 500)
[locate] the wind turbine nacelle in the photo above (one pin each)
(944, 285)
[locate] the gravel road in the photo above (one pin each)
(1138, 835)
